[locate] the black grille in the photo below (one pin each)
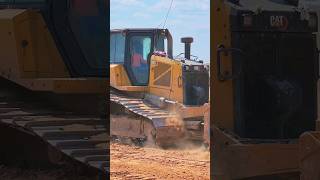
(195, 86)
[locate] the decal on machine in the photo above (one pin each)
(154, 63)
(280, 22)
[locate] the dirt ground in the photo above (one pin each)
(148, 163)
(7, 173)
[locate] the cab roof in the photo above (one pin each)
(138, 30)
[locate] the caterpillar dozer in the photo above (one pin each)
(53, 59)
(166, 98)
(265, 79)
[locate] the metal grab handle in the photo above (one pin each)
(222, 49)
(179, 81)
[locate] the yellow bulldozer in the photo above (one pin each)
(167, 96)
(265, 107)
(53, 75)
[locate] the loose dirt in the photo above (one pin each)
(148, 163)
(7, 173)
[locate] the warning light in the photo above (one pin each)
(247, 20)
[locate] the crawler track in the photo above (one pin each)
(167, 127)
(80, 138)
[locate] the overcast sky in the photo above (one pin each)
(187, 18)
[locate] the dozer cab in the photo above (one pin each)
(168, 96)
(53, 59)
(265, 106)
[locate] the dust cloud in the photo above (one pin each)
(185, 160)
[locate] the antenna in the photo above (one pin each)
(166, 18)
(165, 21)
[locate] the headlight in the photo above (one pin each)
(186, 67)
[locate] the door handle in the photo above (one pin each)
(179, 81)
(221, 76)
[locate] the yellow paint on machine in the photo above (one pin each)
(222, 105)
(30, 58)
(118, 76)
(166, 78)
(120, 80)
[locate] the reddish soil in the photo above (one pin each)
(147, 163)
(52, 174)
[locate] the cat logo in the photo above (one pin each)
(280, 22)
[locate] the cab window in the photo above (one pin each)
(161, 44)
(117, 48)
(85, 20)
(140, 50)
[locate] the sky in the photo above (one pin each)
(186, 18)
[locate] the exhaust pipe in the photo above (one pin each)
(187, 46)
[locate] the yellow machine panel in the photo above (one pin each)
(222, 105)
(118, 76)
(120, 80)
(30, 58)
(37, 55)
(166, 78)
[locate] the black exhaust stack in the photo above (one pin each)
(187, 46)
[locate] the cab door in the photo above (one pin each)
(139, 49)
